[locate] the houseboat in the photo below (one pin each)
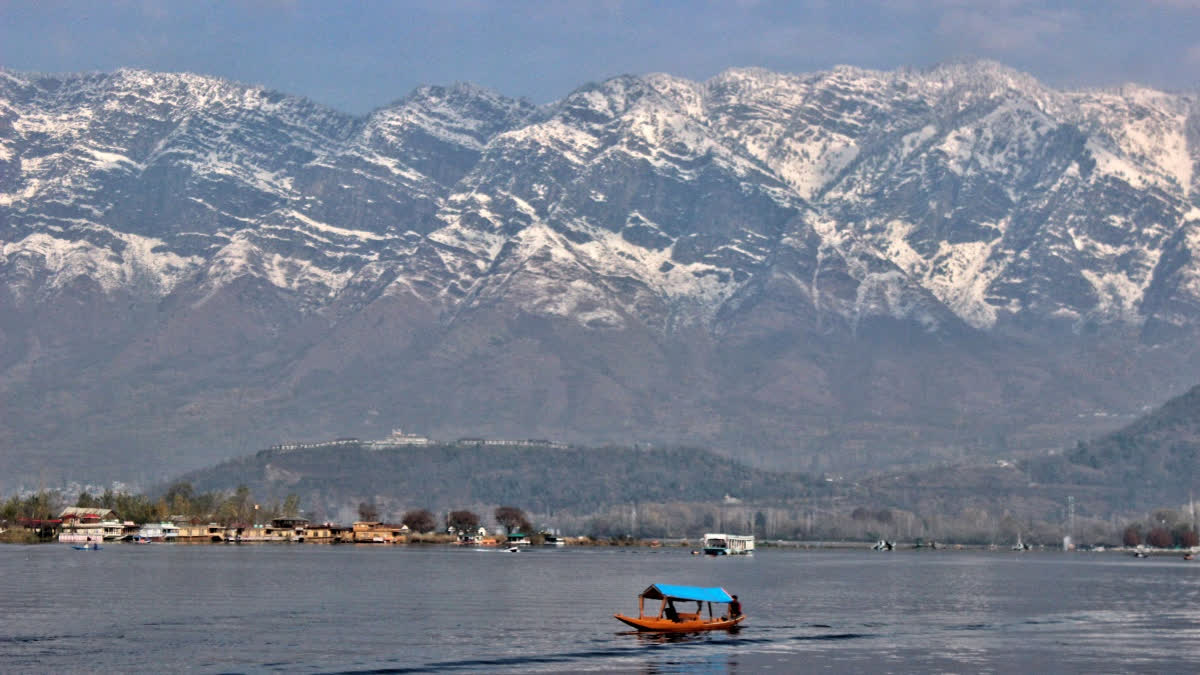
(728, 544)
(82, 525)
(149, 532)
(200, 532)
(374, 532)
(287, 529)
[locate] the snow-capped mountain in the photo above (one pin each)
(845, 268)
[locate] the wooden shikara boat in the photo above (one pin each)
(671, 620)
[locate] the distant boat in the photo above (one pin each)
(728, 544)
(518, 539)
(670, 620)
(883, 545)
(86, 547)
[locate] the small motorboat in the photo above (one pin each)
(86, 547)
(671, 620)
(512, 549)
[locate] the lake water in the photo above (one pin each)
(313, 608)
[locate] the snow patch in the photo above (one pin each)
(242, 257)
(110, 160)
(144, 263)
(1118, 295)
(332, 229)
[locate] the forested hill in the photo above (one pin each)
(1156, 456)
(541, 479)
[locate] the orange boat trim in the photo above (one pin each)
(660, 625)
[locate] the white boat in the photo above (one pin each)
(728, 544)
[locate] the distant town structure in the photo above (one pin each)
(528, 442)
(289, 447)
(399, 439)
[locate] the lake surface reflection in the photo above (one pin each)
(312, 608)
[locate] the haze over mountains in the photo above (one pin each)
(839, 271)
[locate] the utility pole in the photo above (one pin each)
(1069, 540)
(1192, 508)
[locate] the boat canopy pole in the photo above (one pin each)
(641, 604)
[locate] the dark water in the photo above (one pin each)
(309, 608)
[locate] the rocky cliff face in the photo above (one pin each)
(836, 270)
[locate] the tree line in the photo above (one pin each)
(179, 500)
(1162, 528)
(422, 521)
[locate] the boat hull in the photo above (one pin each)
(657, 625)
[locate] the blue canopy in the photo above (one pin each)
(694, 593)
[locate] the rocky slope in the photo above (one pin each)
(829, 271)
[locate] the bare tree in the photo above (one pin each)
(1160, 537)
(1183, 535)
(462, 521)
(512, 519)
(368, 511)
(420, 520)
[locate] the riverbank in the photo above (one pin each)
(691, 545)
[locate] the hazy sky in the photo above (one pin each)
(362, 54)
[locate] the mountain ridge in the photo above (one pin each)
(848, 268)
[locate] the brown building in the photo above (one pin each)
(371, 532)
(200, 532)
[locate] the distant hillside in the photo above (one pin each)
(1153, 458)
(539, 479)
(1150, 463)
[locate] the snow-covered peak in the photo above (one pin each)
(965, 180)
(463, 114)
(983, 74)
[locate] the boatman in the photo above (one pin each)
(735, 608)
(671, 613)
